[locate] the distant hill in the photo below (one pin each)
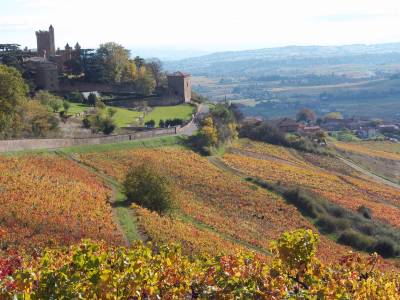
(254, 62)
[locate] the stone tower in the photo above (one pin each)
(46, 43)
(179, 85)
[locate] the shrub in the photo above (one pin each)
(368, 229)
(150, 124)
(365, 212)
(303, 202)
(145, 186)
(75, 97)
(385, 247)
(326, 224)
(101, 121)
(108, 125)
(356, 240)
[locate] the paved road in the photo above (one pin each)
(192, 127)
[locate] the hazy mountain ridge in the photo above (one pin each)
(290, 56)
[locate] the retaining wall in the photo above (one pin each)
(37, 144)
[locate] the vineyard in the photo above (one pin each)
(350, 191)
(47, 200)
(217, 203)
(224, 223)
(98, 271)
(381, 149)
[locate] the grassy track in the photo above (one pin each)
(175, 140)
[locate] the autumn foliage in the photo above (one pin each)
(96, 271)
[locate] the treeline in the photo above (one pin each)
(111, 63)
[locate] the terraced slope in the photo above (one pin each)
(210, 203)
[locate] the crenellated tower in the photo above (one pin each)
(46, 42)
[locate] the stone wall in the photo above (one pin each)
(37, 144)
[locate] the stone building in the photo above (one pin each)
(180, 85)
(46, 46)
(45, 73)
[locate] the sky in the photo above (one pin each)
(202, 26)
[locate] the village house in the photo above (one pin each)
(286, 125)
(309, 129)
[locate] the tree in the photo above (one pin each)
(101, 121)
(147, 187)
(161, 124)
(37, 119)
(139, 61)
(111, 112)
(145, 84)
(13, 91)
(306, 115)
(55, 104)
(91, 100)
(66, 106)
(75, 97)
(155, 68)
(130, 73)
(74, 67)
(209, 132)
(115, 59)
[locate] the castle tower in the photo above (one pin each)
(180, 86)
(45, 42)
(52, 41)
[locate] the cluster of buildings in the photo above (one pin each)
(47, 63)
(364, 128)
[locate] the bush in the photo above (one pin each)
(75, 97)
(365, 212)
(385, 247)
(356, 240)
(150, 124)
(303, 202)
(326, 224)
(100, 122)
(145, 186)
(108, 126)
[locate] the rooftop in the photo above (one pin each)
(180, 74)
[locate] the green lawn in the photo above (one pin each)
(125, 117)
(77, 108)
(183, 111)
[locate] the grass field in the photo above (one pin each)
(77, 108)
(183, 111)
(125, 117)
(143, 143)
